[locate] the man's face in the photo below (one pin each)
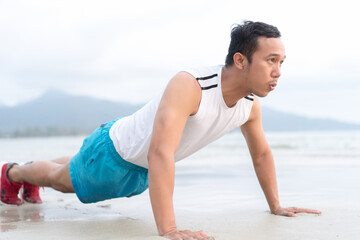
(265, 68)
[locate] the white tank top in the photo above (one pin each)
(131, 135)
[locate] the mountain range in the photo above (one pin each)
(57, 113)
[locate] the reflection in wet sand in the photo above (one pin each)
(10, 215)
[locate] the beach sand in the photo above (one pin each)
(227, 206)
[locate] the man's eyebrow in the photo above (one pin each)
(275, 55)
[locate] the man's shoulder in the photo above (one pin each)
(204, 72)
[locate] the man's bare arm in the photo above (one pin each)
(180, 100)
(264, 163)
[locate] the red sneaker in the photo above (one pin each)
(9, 189)
(31, 193)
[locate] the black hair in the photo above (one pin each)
(244, 39)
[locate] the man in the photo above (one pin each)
(123, 157)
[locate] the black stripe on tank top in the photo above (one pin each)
(209, 87)
(250, 97)
(207, 77)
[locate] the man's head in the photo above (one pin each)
(244, 39)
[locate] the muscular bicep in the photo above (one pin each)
(180, 100)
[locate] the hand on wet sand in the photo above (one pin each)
(291, 211)
(187, 235)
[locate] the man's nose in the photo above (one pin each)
(276, 73)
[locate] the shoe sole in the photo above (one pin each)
(1, 167)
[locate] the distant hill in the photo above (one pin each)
(57, 113)
(279, 121)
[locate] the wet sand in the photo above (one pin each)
(225, 206)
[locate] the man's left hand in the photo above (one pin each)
(291, 211)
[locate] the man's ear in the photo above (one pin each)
(240, 61)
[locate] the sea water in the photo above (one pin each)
(316, 158)
(323, 148)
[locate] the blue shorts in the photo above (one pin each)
(99, 173)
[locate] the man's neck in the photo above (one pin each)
(233, 85)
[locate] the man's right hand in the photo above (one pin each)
(187, 234)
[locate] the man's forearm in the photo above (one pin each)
(265, 171)
(161, 187)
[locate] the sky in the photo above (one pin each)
(129, 50)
